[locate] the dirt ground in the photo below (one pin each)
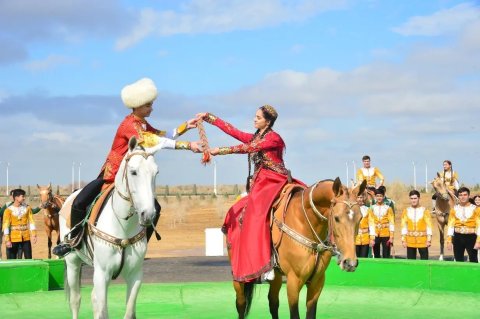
(184, 220)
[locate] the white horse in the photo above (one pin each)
(118, 239)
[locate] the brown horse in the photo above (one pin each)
(50, 205)
(318, 222)
(444, 202)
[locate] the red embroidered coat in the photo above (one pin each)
(247, 223)
(146, 135)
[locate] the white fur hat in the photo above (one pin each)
(139, 93)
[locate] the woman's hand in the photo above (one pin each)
(214, 151)
(200, 116)
(196, 147)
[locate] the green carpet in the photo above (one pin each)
(217, 300)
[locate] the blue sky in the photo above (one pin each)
(398, 80)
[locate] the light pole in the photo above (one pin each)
(426, 177)
(8, 165)
(73, 176)
(79, 170)
(414, 176)
(346, 165)
(215, 177)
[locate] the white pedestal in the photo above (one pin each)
(213, 242)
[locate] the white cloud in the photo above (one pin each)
(445, 21)
(50, 62)
(55, 137)
(207, 16)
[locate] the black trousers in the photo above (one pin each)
(462, 242)
(25, 246)
(412, 253)
(84, 199)
(385, 248)
(362, 251)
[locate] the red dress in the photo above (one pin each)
(247, 223)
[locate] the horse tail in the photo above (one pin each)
(248, 290)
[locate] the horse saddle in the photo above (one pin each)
(99, 203)
(279, 210)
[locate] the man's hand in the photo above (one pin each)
(34, 239)
(214, 151)
(429, 243)
(200, 116)
(404, 244)
(8, 244)
(372, 242)
(196, 147)
(477, 245)
(449, 245)
(192, 123)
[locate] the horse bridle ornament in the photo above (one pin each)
(50, 203)
(128, 197)
(329, 242)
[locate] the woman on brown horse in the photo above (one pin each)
(247, 222)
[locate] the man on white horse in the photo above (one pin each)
(139, 97)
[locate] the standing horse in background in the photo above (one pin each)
(51, 205)
(443, 204)
(308, 228)
(116, 244)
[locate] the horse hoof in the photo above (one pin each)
(441, 257)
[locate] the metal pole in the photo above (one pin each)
(354, 172)
(346, 165)
(73, 176)
(79, 170)
(8, 165)
(426, 177)
(414, 176)
(215, 177)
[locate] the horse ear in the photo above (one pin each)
(337, 187)
(438, 175)
(50, 186)
(362, 187)
(132, 143)
(38, 186)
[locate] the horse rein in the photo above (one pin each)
(329, 242)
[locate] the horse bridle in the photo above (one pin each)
(329, 242)
(128, 197)
(50, 203)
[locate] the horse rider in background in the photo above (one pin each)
(138, 97)
(449, 177)
(370, 174)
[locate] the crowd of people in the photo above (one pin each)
(377, 226)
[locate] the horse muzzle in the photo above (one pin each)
(348, 265)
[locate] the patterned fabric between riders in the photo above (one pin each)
(247, 224)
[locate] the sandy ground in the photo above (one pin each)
(183, 223)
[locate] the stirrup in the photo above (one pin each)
(269, 275)
(62, 250)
